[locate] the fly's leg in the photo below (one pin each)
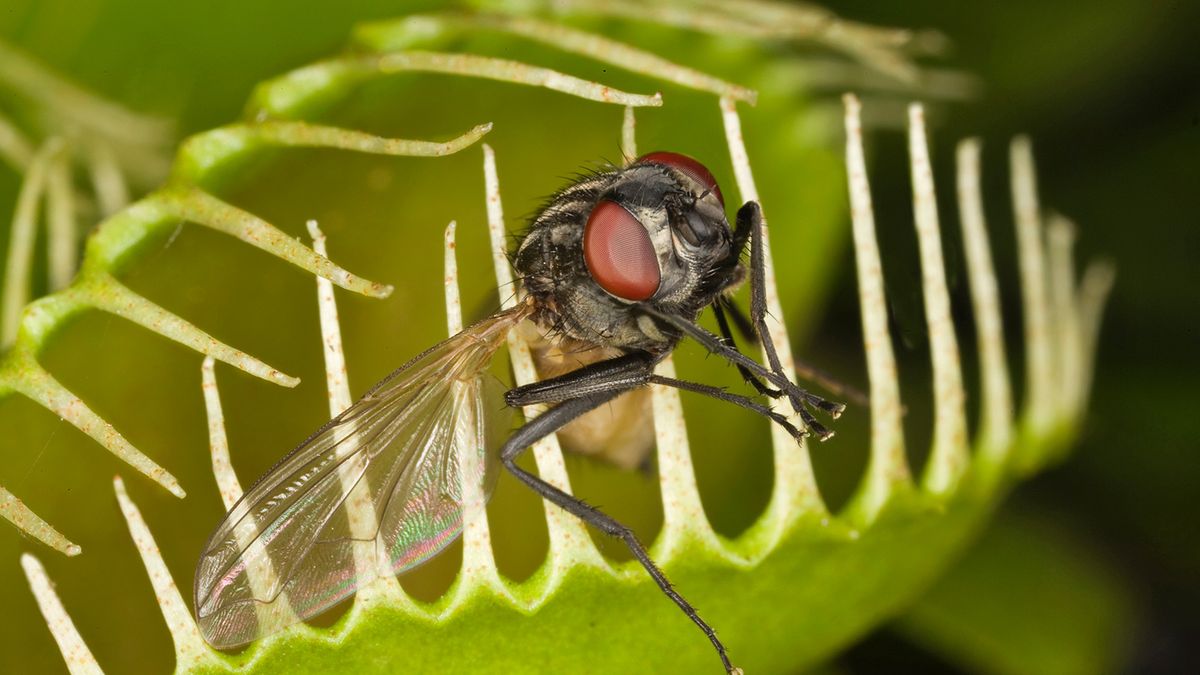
(717, 345)
(804, 370)
(623, 373)
(741, 236)
(546, 424)
(740, 321)
(722, 395)
(723, 323)
(749, 219)
(616, 374)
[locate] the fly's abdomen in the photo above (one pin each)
(620, 432)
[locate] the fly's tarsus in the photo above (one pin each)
(741, 401)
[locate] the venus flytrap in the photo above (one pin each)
(15, 149)
(20, 373)
(61, 236)
(361, 512)
(996, 409)
(1094, 288)
(793, 589)
(75, 651)
(81, 129)
(102, 132)
(189, 646)
(685, 521)
(479, 574)
(881, 48)
(426, 30)
(209, 152)
(14, 511)
(795, 491)
(261, 576)
(949, 458)
(887, 469)
(304, 88)
(1039, 364)
(20, 247)
(275, 103)
(892, 517)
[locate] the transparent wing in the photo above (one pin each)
(389, 471)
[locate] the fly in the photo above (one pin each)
(621, 262)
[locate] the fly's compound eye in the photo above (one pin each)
(688, 167)
(619, 253)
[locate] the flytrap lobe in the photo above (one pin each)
(796, 539)
(685, 530)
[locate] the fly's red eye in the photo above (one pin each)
(689, 167)
(619, 254)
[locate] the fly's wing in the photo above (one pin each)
(388, 471)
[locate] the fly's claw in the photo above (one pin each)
(833, 409)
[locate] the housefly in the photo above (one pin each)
(621, 263)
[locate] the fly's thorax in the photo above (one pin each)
(620, 432)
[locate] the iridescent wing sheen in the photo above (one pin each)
(389, 471)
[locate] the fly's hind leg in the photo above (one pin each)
(554, 419)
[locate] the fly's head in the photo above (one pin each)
(651, 233)
(658, 234)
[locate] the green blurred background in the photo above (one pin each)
(1107, 90)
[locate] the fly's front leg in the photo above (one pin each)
(554, 419)
(749, 222)
(718, 308)
(717, 345)
(749, 217)
(740, 320)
